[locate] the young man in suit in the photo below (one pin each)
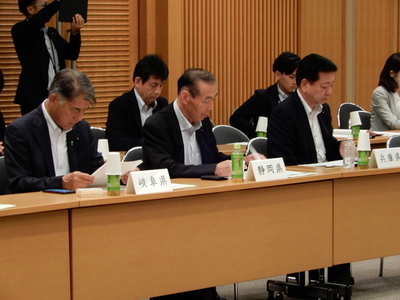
(128, 112)
(264, 101)
(52, 147)
(41, 50)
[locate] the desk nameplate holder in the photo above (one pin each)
(266, 169)
(147, 182)
(385, 158)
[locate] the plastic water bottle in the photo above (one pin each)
(237, 164)
(349, 152)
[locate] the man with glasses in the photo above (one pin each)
(52, 147)
(41, 50)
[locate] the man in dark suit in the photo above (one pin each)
(264, 101)
(127, 113)
(52, 147)
(41, 50)
(180, 138)
(300, 130)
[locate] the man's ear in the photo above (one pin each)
(137, 80)
(52, 97)
(184, 95)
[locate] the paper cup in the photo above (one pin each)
(363, 143)
(113, 166)
(262, 124)
(355, 118)
(102, 147)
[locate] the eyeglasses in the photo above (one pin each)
(43, 4)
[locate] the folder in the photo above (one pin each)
(68, 8)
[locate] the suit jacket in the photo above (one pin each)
(33, 56)
(124, 125)
(29, 160)
(290, 137)
(385, 114)
(163, 146)
(2, 127)
(262, 103)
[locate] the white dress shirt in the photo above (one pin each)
(188, 130)
(54, 65)
(58, 141)
(145, 112)
(312, 115)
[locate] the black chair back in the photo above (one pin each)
(133, 154)
(225, 134)
(343, 114)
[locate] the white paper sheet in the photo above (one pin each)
(100, 177)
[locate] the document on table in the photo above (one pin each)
(100, 177)
(386, 133)
(176, 186)
(4, 206)
(333, 163)
(292, 174)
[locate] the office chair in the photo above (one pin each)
(3, 176)
(98, 133)
(365, 117)
(259, 144)
(317, 288)
(343, 114)
(133, 154)
(225, 134)
(392, 142)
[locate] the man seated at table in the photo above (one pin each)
(264, 101)
(300, 130)
(180, 138)
(52, 147)
(128, 112)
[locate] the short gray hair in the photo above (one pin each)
(69, 84)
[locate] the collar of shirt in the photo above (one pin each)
(53, 128)
(184, 124)
(281, 94)
(141, 103)
(317, 108)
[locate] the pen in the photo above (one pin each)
(254, 152)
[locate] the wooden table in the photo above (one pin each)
(34, 247)
(214, 234)
(137, 246)
(366, 215)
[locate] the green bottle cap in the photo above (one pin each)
(236, 146)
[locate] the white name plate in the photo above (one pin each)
(385, 158)
(147, 182)
(266, 169)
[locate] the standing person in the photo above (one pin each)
(300, 130)
(180, 138)
(264, 101)
(52, 147)
(41, 50)
(385, 105)
(128, 112)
